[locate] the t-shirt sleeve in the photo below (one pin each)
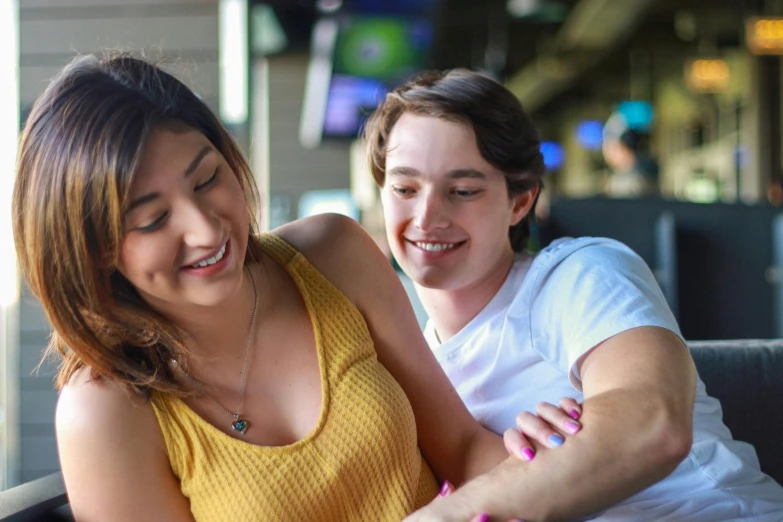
(588, 295)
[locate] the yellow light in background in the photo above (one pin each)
(707, 75)
(234, 65)
(764, 35)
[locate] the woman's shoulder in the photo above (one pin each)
(92, 410)
(112, 454)
(330, 241)
(323, 234)
(341, 249)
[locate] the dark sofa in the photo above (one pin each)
(747, 377)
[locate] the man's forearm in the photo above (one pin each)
(628, 443)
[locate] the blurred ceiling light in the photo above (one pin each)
(638, 114)
(268, 35)
(707, 75)
(319, 73)
(553, 153)
(596, 24)
(590, 134)
(764, 35)
(234, 64)
(329, 6)
(522, 8)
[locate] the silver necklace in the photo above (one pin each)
(240, 425)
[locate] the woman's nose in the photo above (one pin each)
(201, 227)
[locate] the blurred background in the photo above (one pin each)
(660, 121)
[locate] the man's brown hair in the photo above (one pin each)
(505, 136)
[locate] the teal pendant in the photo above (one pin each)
(240, 425)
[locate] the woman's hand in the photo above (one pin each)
(549, 427)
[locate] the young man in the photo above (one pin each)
(460, 170)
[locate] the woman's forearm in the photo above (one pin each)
(482, 453)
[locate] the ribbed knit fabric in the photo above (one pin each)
(361, 462)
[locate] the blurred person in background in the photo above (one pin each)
(634, 174)
(210, 372)
(775, 192)
(459, 167)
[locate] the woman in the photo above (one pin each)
(209, 372)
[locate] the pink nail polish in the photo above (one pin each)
(444, 489)
(574, 414)
(528, 454)
(572, 427)
(483, 518)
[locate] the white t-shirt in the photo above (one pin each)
(522, 348)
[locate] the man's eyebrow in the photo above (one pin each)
(466, 173)
(452, 174)
(404, 171)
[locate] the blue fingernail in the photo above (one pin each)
(555, 440)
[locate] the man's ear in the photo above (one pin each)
(522, 203)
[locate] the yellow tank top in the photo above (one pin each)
(361, 462)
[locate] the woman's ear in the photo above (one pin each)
(522, 203)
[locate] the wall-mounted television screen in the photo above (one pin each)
(372, 55)
(366, 58)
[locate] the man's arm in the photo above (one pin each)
(639, 389)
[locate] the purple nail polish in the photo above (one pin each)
(483, 518)
(528, 453)
(555, 440)
(572, 427)
(444, 489)
(574, 414)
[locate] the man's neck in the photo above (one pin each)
(451, 310)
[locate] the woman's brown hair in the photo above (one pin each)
(505, 136)
(79, 150)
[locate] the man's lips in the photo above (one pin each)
(429, 245)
